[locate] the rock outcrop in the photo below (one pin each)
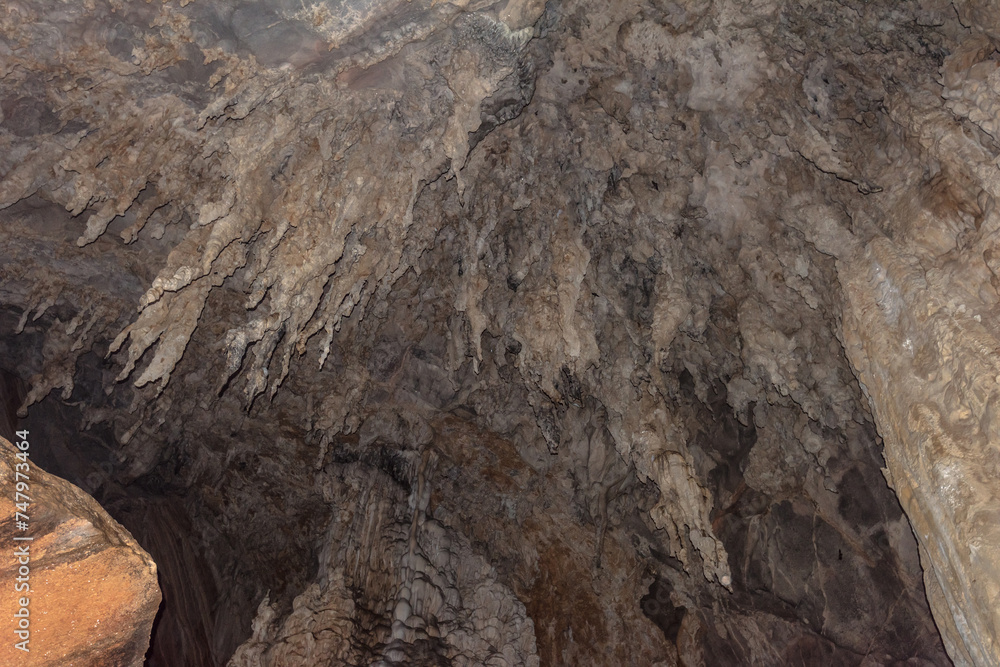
(76, 588)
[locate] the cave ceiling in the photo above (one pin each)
(516, 332)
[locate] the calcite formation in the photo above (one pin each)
(519, 333)
(77, 588)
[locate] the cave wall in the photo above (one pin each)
(493, 332)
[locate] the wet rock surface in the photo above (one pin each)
(518, 332)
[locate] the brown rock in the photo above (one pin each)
(93, 591)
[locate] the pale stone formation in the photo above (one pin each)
(519, 333)
(918, 332)
(91, 592)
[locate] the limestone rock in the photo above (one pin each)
(89, 590)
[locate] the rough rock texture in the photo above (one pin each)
(482, 332)
(91, 590)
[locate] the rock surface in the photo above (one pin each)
(481, 332)
(87, 589)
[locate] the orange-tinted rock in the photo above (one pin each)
(92, 591)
